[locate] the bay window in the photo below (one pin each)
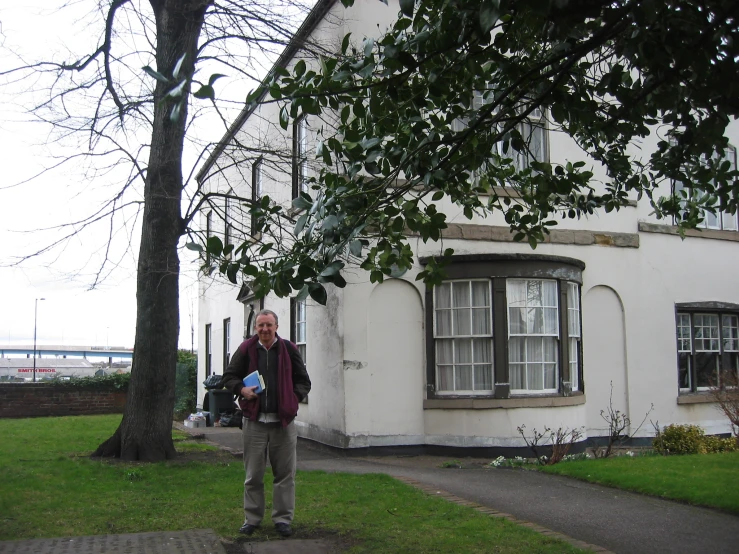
(496, 330)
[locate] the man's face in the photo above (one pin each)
(266, 328)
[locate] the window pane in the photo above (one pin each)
(729, 221)
(551, 323)
(484, 377)
(706, 366)
(535, 321)
(575, 363)
(550, 376)
(463, 351)
(443, 323)
(445, 378)
(461, 294)
(517, 321)
(516, 293)
(730, 362)
(730, 330)
(482, 351)
(443, 296)
(573, 309)
(517, 349)
(461, 320)
(464, 377)
(480, 293)
(683, 333)
(683, 370)
(517, 376)
(534, 377)
(534, 350)
(706, 332)
(481, 321)
(444, 351)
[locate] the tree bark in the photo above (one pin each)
(145, 433)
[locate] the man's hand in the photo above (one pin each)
(248, 393)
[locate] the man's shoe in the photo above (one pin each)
(283, 529)
(247, 529)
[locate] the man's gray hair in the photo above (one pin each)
(268, 312)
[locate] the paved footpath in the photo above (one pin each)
(593, 517)
(604, 518)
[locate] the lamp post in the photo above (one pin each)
(35, 319)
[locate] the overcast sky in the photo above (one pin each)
(70, 314)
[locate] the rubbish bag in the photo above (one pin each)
(213, 382)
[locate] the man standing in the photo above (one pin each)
(268, 420)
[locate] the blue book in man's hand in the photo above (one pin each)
(254, 379)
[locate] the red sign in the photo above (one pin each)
(38, 370)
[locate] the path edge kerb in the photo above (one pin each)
(435, 491)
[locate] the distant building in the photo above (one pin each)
(50, 368)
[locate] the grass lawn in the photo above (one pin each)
(50, 488)
(702, 479)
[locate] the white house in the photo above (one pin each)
(615, 309)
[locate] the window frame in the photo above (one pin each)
(690, 345)
(721, 217)
(208, 349)
(226, 343)
(300, 156)
(256, 190)
(498, 268)
(295, 324)
(456, 339)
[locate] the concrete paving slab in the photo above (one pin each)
(289, 546)
(196, 541)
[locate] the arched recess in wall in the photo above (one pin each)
(604, 353)
(395, 347)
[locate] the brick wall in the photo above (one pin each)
(41, 399)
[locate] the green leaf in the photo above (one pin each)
(406, 6)
(302, 203)
(178, 67)
(318, 293)
(345, 43)
(206, 91)
(355, 247)
(300, 68)
(332, 269)
(214, 78)
(158, 76)
(176, 92)
(300, 224)
(231, 272)
(489, 14)
(214, 246)
(369, 45)
(284, 118)
(195, 247)
(175, 113)
(264, 249)
(303, 294)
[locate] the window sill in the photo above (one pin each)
(470, 403)
(665, 229)
(695, 398)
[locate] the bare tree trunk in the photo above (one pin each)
(146, 430)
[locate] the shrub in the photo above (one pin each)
(185, 384)
(690, 439)
(717, 444)
(680, 439)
